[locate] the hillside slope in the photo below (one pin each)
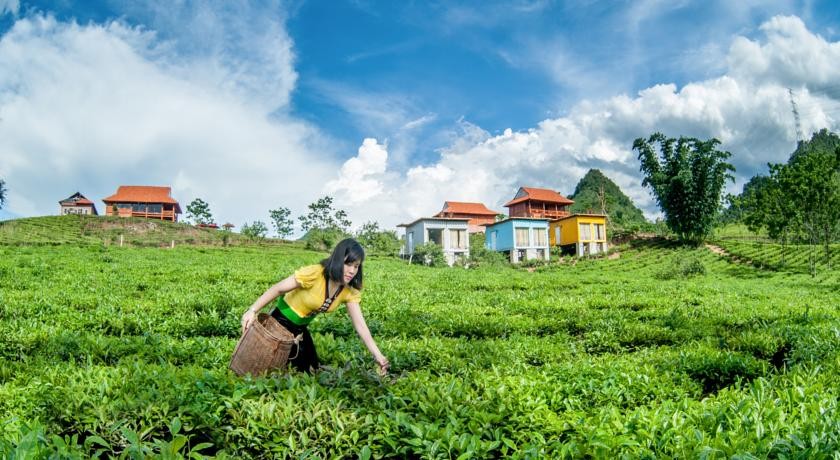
(108, 230)
(620, 208)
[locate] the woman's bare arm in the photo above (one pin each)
(355, 312)
(278, 289)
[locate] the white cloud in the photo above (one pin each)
(9, 6)
(92, 107)
(360, 176)
(747, 108)
(238, 45)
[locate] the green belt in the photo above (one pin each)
(291, 315)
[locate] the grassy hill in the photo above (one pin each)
(663, 352)
(623, 213)
(109, 230)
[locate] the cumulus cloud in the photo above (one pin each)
(91, 107)
(747, 108)
(360, 176)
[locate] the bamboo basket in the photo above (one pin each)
(264, 347)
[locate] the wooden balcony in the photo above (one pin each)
(549, 214)
(125, 212)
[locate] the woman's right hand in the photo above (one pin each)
(248, 319)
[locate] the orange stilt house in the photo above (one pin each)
(538, 202)
(477, 213)
(143, 201)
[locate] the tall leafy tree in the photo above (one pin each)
(198, 211)
(2, 193)
(283, 223)
(255, 230)
(322, 216)
(687, 176)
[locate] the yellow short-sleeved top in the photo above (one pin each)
(309, 297)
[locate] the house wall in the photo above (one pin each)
(419, 232)
(570, 234)
(501, 237)
(477, 222)
(85, 210)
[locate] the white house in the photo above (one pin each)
(77, 204)
(451, 234)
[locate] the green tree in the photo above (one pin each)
(378, 241)
(799, 199)
(812, 180)
(256, 230)
(687, 176)
(2, 193)
(283, 224)
(322, 216)
(199, 212)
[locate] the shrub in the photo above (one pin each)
(682, 267)
(320, 239)
(377, 241)
(429, 254)
(481, 256)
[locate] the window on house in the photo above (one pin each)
(154, 208)
(458, 238)
(599, 231)
(436, 236)
(124, 205)
(540, 237)
(520, 255)
(585, 232)
(522, 238)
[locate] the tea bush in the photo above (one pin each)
(123, 352)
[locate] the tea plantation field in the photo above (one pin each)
(664, 352)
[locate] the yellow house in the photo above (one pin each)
(579, 234)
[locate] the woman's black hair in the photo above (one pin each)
(345, 252)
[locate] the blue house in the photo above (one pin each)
(521, 238)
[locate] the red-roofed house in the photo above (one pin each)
(143, 201)
(77, 204)
(538, 202)
(477, 213)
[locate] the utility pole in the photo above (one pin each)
(795, 116)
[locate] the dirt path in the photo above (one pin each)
(722, 252)
(717, 250)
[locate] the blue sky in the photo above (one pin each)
(393, 107)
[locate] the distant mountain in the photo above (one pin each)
(620, 208)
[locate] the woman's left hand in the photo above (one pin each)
(384, 365)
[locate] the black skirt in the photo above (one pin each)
(302, 357)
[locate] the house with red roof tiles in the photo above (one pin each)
(477, 213)
(77, 204)
(143, 201)
(538, 202)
